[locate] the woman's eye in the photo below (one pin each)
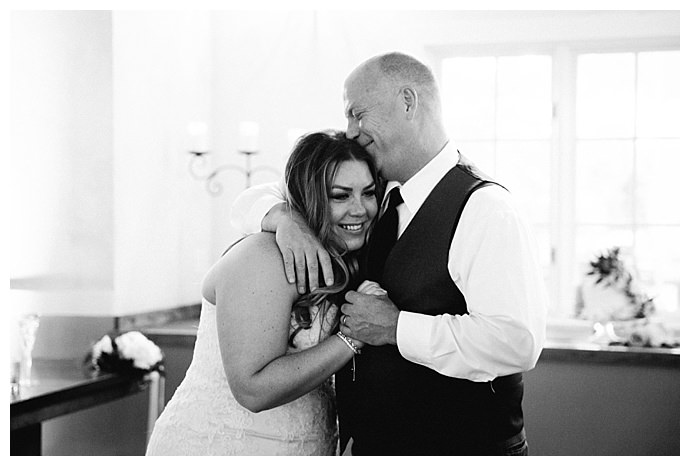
(339, 197)
(370, 193)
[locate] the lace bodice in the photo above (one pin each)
(203, 417)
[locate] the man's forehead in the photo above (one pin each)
(352, 95)
(363, 88)
(356, 99)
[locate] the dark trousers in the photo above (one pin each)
(513, 446)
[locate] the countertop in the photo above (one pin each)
(183, 333)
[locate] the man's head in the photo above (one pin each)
(393, 109)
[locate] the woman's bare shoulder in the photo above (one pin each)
(255, 260)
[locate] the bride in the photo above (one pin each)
(260, 381)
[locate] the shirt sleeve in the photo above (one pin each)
(492, 261)
(252, 205)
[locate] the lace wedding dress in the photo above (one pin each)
(203, 417)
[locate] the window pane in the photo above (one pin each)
(524, 97)
(658, 181)
(606, 95)
(542, 236)
(469, 96)
(658, 94)
(626, 177)
(525, 169)
(658, 265)
(604, 178)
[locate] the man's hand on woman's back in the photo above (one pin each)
(302, 252)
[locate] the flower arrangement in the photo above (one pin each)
(609, 291)
(129, 352)
(643, 332)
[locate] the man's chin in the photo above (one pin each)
(383, 174)
(370, 149)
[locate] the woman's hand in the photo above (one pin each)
(358, 344)
(369, 287)
(308, 337)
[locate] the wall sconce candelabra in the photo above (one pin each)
(248, 143)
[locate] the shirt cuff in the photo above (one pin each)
(413, 336)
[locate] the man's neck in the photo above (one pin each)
(425, 156)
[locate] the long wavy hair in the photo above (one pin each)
(309, 174)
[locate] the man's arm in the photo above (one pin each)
(263, 208)
(251, 206)
(493, 263)
(302, 252)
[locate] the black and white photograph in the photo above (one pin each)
(310, 229)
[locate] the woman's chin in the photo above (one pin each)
(354, 244)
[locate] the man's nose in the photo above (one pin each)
(352, 129)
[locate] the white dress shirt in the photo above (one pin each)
(492, 260)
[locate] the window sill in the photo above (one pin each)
(587, 352)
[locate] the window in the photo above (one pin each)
(588, 141)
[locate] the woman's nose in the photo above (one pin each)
(357, 208)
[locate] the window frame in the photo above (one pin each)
(562, 216)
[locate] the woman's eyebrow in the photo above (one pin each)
(346, 188)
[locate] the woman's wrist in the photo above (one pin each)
(354, 347)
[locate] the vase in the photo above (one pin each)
(605, 333)
(605, 302)
(21, 359)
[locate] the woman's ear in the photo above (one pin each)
(410, 101)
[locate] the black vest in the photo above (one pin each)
(396, 407)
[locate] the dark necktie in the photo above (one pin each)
(384, 236)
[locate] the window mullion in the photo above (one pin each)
(495, 140)
(563, 181)
(635, 178)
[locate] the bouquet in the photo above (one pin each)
(129, 352)
(610, 293)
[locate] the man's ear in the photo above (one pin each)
(410, 101)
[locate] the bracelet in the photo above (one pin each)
(349, 343)
(354, 349)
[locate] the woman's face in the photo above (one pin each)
(352, 203)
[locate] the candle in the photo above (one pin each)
(249, 137)
(198, 137)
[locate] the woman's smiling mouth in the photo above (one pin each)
(352, 227)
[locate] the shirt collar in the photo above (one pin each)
(415, 191)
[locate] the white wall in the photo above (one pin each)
(161, 64)
(61, 158)
(106, 219)
(62, 148)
